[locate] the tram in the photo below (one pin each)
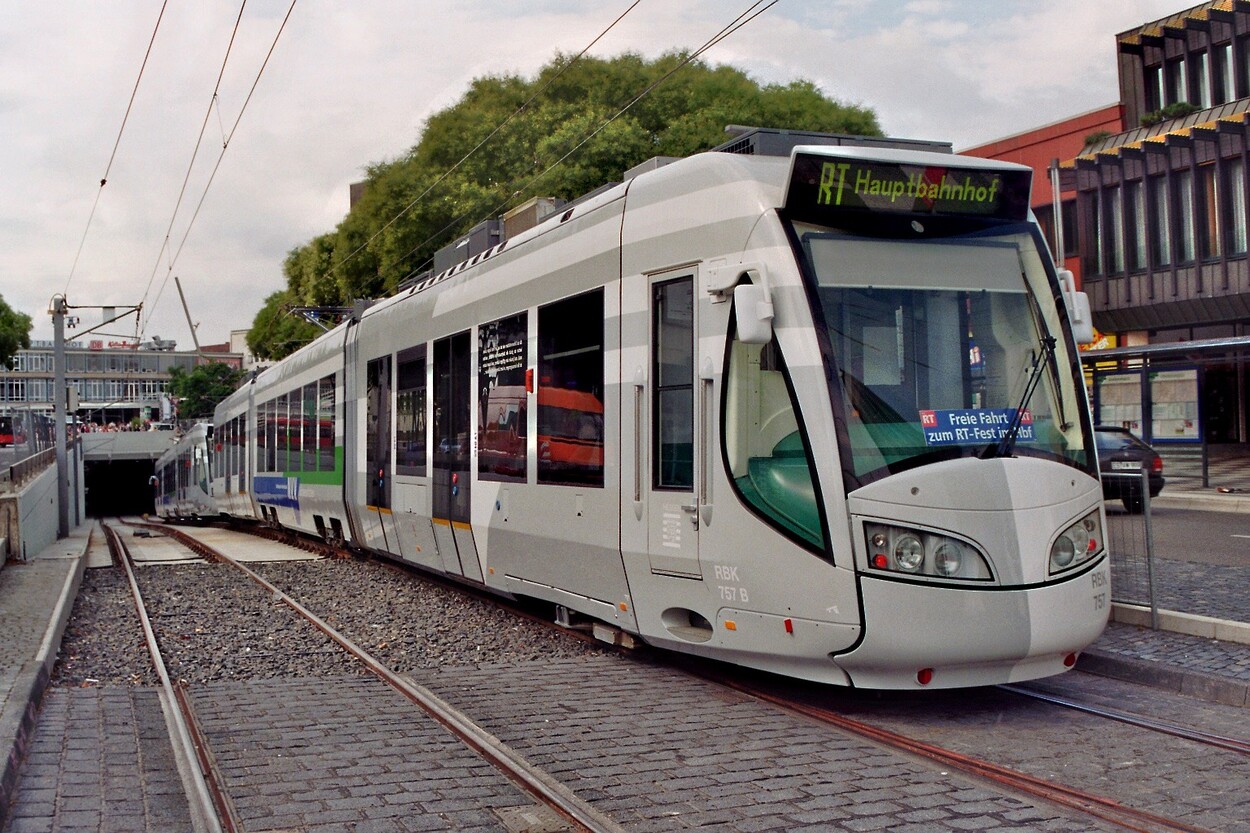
(180, 483)
(819, 414)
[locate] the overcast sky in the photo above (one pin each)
(351, 83)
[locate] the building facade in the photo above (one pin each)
(1162, 230)
(1042, 149)
(114, 383)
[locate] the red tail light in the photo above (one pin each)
(1157, 465)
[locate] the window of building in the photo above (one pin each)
(1222, 67)
(1235, 215)
(1202, 79)
(1208, 221)
(1160, 222)
(1094, 256)
(1185, 242)
(570, 391)
(1071, 238)
(1153, 80)
(502, 405)
(1135, 225)
(1113, 230)
(1176, 81)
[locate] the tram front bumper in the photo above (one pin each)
(930, 636)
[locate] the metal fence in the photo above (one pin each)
(1131, 545)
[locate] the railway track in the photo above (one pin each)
(1100, 810)
(209, 797)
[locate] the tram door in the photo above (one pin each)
(452, 390)
(666, 415)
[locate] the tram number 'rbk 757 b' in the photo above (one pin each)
(730, 592)
(1099, 580)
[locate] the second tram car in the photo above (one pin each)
(181, 487)
(820, 415)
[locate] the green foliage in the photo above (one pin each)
(14, 333)
(1097, 136)
(1176, 110)
(276, 332)
(199, 390)
(414, 205)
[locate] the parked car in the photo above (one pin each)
(1121, 457)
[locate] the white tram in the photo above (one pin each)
(180, 484)
(821, 415)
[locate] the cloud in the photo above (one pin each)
(352, 84)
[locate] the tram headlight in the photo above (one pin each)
(948, 558)
(895, 549)
(1077, 544)
(909, 553)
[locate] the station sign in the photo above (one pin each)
(826, 185)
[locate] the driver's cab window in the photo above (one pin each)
(767, 453)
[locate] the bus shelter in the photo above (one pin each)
(1185, 398)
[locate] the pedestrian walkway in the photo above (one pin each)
(36, 599)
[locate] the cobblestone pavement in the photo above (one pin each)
(100, 760)
(660, 751)
(330, 754)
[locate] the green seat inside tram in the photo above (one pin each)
(780, 485)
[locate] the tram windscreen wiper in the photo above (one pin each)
(1008, 441)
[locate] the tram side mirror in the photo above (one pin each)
(754, 310)
(1079, 314)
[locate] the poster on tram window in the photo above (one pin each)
(973, 426)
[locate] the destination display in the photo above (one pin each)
(973, 426)
(828, 185)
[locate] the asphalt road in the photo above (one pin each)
(1188, 534)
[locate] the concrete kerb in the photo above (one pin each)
(1211, 687)
(17, 721)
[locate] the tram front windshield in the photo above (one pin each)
(933, 344)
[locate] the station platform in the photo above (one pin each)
(37, 598)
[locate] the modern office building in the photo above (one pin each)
(1162, 224)
(116, 382)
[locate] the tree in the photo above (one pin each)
(588, 122)
(199, 391)
(14, 333)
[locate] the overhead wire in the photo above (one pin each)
(483, 142)
(199, 140)
(116, 144)
(225, 146)
(752, 12)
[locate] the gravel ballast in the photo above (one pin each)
(214, 624)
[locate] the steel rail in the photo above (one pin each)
(1100, 807)
(533, 780)
(209, 804)
(1185, 733)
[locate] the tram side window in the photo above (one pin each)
(673, 417)
(271, 435)
(766, 449)
(378, 431)
(327, 456)
(262, 434)
(410, 392)
(502, 399)
(308, 428)
(570, 391)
